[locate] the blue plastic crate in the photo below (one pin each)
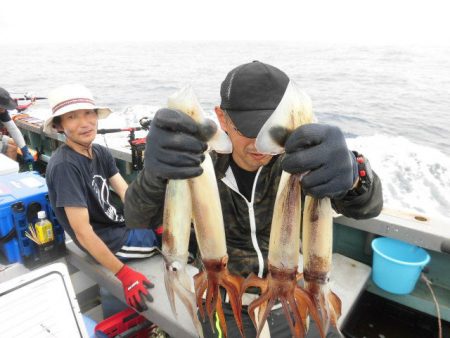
(22, 195)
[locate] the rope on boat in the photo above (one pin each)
(438, 311)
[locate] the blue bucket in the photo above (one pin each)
(397, 265)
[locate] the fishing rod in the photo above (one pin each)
(137, 144)
(27, 97)
(117, 130)
(30, 98)
(144, 122)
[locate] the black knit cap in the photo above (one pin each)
(6, 102)
(250, 93)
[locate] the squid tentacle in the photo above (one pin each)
(176, 283)
(281, 285)
(200, 283)
(216, 275)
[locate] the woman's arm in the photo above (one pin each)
(79, 221)
(119, 185)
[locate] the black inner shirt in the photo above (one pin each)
(244, 179)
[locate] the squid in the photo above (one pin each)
(175, 243)
(208, 219)
(281, 282)
(317, 250)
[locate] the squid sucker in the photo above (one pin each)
(208, 219)
(281, 282)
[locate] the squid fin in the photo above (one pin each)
(294, 109)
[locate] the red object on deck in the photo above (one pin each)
(125, 321)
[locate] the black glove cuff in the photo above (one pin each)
(365, 175)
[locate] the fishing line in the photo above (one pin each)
(106, 143)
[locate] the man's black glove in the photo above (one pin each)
(173, 148)
(321, 150)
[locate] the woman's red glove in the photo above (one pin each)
(135, 287)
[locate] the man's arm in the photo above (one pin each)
(119, 185)
(15, 133)
(173, 151)
(144, 201)
(331, 170)
(362, 206)
(79, 221)
(17, 136)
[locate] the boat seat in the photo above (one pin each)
(348, 280)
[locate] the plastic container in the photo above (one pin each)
(127, 321)
(90, 324)
(22, 196)
(7, 166)
(44, 228)
(397, 265)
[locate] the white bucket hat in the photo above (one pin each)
(68, 98)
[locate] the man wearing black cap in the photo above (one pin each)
(247, 180)
(8, 147)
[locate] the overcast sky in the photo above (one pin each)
(381, 22)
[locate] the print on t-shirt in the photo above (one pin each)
(100, 186)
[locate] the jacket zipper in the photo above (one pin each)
(230, 181)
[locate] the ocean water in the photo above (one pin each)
(392, 102)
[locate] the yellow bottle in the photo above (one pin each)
(44, 228)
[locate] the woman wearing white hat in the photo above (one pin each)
(78, 176)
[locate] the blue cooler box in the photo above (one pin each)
(22, 195)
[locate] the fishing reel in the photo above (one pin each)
(145, 122)
(137, 144)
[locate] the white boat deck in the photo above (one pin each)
(348, 281)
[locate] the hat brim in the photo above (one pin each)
(10, 105)
(102, 113)
(249, 122)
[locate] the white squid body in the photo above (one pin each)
(317, 235)
(294, 109)
(175, 243)
(317, 258)
(284, 244)
(186, 101)
(206, 208)
(178, 213)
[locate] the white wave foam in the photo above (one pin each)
(413, 176)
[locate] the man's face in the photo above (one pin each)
(244, 151)
(79, 126)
